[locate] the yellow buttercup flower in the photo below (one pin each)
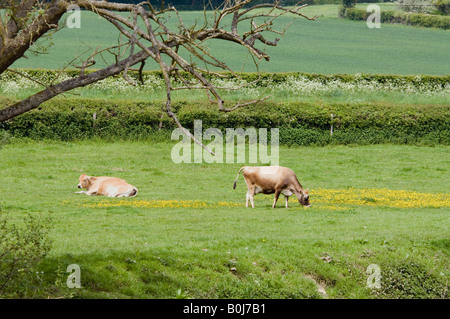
(162, 204)
(380, 197)
(325, 199)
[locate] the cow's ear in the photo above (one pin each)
(307, 191)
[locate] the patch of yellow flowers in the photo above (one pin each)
(326, 199)
(380, 197)
(163, 204)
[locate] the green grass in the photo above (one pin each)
(328, 45)
(131, 249)
(135, 252)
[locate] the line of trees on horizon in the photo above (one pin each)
(209, 4)
(214, 4)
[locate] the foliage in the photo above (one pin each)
(193, 40)
(415, 19)
(349, 3)
(4, 138)
(442, 6)
(299, 123)
(409, 279)
(199, 5)
(280, 86)
(22, 248)
(416, 6)
(153, 78)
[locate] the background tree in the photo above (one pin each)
(349, 3)
(416, 6)
(147, 35)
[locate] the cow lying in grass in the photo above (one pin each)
(272, 179)
(107, 186)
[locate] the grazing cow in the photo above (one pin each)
(272, 179)
(108, 186)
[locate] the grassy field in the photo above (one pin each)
(329, 45)
(188, 233)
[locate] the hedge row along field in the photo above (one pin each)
(281, 87)
(299, 123)
(302, 105)
(10, 81)
(409, 18)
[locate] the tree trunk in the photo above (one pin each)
(13, 45)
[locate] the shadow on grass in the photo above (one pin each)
(166, 275)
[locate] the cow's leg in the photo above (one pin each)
(286, 198)
(247, 199)
(250, 197)
(277, 194)
(250, 194)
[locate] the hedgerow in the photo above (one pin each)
(265, 78)
(299, 123)
(389, 16)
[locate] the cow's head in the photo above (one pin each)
(304, 198)
(85, 181)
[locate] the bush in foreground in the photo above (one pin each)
(22, 248)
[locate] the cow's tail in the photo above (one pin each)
(242, 168)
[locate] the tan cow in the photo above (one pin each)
(108, 186)
(272, 179)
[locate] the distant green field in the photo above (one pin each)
(329, 45)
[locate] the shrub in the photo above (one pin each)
(4, 138)
(356, 14)
(349, 3)
(410, 279)
(21, 250)
(300, 123)
(416, 6)
(415, 19)
(154, 80)
(442, 6)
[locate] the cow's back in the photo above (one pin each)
(267, 177)
(113, 185)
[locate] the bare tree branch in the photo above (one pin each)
(153, 39)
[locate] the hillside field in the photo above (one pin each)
(329, 45)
